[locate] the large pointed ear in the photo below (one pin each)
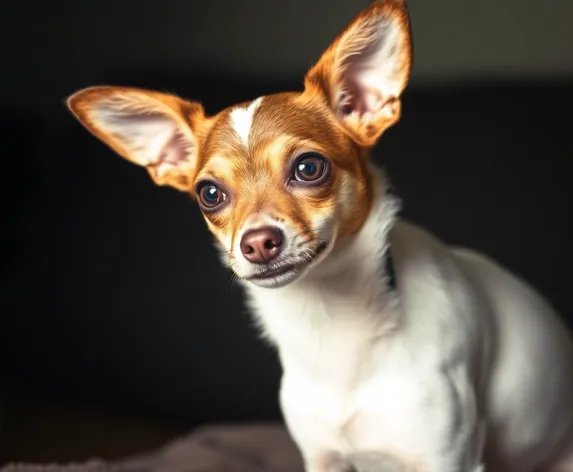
(363, 73)
(157, 131)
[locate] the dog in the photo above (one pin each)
(399, 353)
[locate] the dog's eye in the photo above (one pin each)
(310, 168)
(210, 196)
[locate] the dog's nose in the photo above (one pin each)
(262, 245)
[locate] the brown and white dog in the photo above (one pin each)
(459, 367)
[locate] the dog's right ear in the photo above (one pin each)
(158, 131)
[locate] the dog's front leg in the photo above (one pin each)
(455, 433)
(325, 462)
(359, 462)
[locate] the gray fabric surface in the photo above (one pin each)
(253, 448)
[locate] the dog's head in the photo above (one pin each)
(281, 179)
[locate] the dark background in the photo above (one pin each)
(118, 328)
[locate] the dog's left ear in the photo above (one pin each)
(363, 73)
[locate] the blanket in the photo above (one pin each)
(252, 448)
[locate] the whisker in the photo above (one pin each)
(309, 232)
(232, 279)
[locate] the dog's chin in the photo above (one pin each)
(277, 278)
(283, 274)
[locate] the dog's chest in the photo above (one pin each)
(383, 411)
(348, 384)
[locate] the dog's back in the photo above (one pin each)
(528, 373)
(527, 385)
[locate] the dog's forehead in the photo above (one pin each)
(267, 127)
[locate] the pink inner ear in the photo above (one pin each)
(361, 100)
(149, 137)
(177, 153)
(348, 101)
(372, 74)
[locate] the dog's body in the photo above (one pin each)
(459, 367)
(459, 347)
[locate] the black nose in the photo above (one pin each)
(262, 245)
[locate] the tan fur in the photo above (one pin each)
(254, 176)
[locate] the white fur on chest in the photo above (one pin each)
(328, 330)
(350, 382)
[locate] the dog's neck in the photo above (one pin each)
(346, 298)
(360, 260)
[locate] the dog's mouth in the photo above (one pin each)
(280, 275)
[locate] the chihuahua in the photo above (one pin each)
(399, 353)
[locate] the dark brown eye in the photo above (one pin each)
(210, 196)
(310, 168)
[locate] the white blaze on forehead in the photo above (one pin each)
(242, 120)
